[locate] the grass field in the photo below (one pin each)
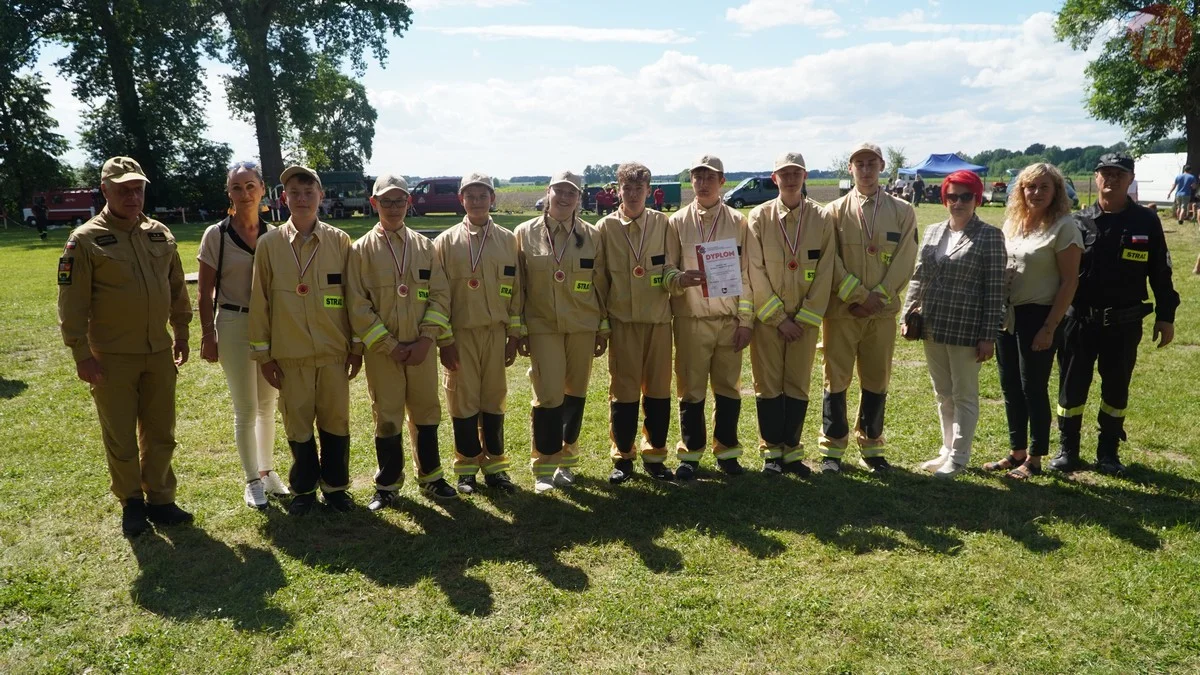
(833, 574)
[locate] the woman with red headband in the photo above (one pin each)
(955, 303)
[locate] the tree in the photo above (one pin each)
(336, 123)
(1149, 102)
(840, 165)
(29, 146)
(600, 173)
(896, 158)
(274, 48)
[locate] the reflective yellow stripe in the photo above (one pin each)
(432, 476)
(770, 453)
(745, 307)
(731, 453)
(809, 317)
(691, 456)
(447, 335)
(770, 307)
(847, 286)
(604, 324)
(794, 455)
(466, 470)
(1111, 411)
(671, 274)
(545, 469)
(571, 461)
(496, 468)
(514, 322)
(876, 451)
(377, 333)
(883, 291)
(260, 346)
(438, 318)
(1071, 412)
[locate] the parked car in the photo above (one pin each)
(752, 191)
(436, 195)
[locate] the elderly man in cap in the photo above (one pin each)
(120, 283)
(1123, 249)
(560, 261)
(791, 256)
(480, 260)
(710, 333)
(877, 252)
(397, 296)
(301, 338)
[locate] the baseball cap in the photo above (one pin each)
(567, 177)
(709, 162)
(296, 170)
(388, 182)
(122, 170)
(790, 159)
(1119, 160)
(867, 147)
(476, 178)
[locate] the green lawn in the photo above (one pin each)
(834, 574)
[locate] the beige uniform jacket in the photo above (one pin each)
(887, 271)
(574, 304)
(780, 291)
(301, 330)
(683, 236)
(633, 299)
(496, 300)
(119, 283)
(379, 315)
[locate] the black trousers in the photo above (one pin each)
(1025, 378)
(1089, 346)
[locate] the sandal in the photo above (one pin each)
(1009, 463)
(1024, 472)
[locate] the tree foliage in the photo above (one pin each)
(335, 122)
(600, 173)
(1149, 103)
(896, 159)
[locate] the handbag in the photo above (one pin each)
(912, 326)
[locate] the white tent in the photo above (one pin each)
(1155, 174)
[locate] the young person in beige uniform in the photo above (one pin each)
(710, 333)
(791, 258)
(300, 336)
(561, 268)
(638, 275)
(226, 268)
(397, 296)
(120, 283)
(480, 260)
(877, 251)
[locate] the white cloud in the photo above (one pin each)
(426, 5)
(760, 14)
(916, 22)
(834, 33)
(569, 33)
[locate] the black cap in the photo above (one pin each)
(1119, 160)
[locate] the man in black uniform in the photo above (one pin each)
(1124, 247)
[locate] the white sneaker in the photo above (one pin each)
(949, 469)
(255, 496)
(543, 484)
(274, 486)
(937, 462)
(563, 477)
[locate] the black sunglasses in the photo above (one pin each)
(963, 197)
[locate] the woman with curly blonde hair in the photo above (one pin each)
(1044, 249)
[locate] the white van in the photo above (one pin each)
(1155, 174)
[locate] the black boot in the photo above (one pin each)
(795, 410)
(622, 471)
(306, 467)
(772, 416)
(572, 418)
(335, 462)
(623, 425)
(725, 420)
(133, 517)
(658, 420)
(168, 514)
(1067, 459)
(1112, 432)
(691, 425)
(389, 454)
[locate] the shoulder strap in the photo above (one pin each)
(223, 228)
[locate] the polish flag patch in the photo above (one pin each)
(1140, 239)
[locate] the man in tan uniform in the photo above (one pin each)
(397, 296)
(710, 333)
(119, 283)
(877, 251)
(480, 260)
(300, 336)
(639, 309)
(561, 268)
(791, 268)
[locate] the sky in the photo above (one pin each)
(531, 87)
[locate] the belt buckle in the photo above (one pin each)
(1104, 316)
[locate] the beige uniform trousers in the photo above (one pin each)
(868, 342)
(639, 363)
(136, 406)
(395, 389)
(782, 368)
(479, 384)
(561, 365)
(318, 394)
(703, 350)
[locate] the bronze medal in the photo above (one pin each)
(639, 271)
(560, 276)
(402, 290)
(472, 283)
(302, 289)
(793, 265)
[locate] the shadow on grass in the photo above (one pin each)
(187, 575)
(11, 388)
(854, 512)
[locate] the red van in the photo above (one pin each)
(436, 195)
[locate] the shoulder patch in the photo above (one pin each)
(106, 240)
(156, 236)
(64, 270)
(70, 244)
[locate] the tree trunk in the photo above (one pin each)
(126, 93)
(1191, 102)
(253, 23)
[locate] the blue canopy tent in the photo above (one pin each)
(944, 165)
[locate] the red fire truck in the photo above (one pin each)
(69, 205)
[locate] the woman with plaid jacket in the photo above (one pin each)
(958, 289)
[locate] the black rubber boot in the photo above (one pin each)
(335, 459)
(1112, 432)
(1067, 459)
(389, 454)
(658, 420)
(133, 518)
(691, 425)
(725, 420)
(306, 467)
(623, 424)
